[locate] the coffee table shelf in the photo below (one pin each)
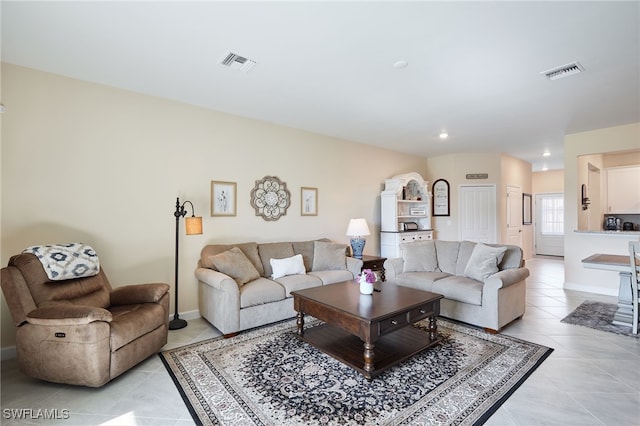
(369, 333)
(390, 349)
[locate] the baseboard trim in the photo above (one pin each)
(189, 315)
(591, 289)
(8, 353)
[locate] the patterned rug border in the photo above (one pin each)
(289, 325)
(598, 316)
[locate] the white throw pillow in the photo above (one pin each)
(483, 262)
(288, 266)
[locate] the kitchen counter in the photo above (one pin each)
(613, 233)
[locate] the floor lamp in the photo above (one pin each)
(193, 226)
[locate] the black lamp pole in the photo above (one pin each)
(177, 323)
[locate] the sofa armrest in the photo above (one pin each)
(217, 280)
(393, 268)
(138, 293)
(506, 278)
(67, 314)
(354, 266)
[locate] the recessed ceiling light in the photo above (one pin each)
(400, 64)
(546, 153)
(444, 135)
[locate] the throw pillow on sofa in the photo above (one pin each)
(235, 264)
(288, 266)
(329, 256)
(270, 251)
(419, 256)
(483, 262)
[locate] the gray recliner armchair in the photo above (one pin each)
(81, 331)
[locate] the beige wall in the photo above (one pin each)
(621, 159)
(551, 181)
(85, 162)
(591, 218)
(454, 169)
(516, 172)
(503, 170)
(581, 245)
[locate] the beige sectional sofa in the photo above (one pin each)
(483, 285)
(246, 285)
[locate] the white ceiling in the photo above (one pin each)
(327, 67)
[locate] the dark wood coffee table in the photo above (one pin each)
(369, 333)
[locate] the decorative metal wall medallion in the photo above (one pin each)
(270, 198)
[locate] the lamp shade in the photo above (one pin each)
(193, 225)
(358, 228)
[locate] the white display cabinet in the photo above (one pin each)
(405, 212)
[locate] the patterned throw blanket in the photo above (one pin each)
(66, 261)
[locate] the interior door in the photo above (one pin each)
(478, 213)
(549, 224)
(514, 215)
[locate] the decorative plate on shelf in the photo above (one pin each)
(270, 198)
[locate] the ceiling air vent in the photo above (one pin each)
(235, 61)
(563, 71)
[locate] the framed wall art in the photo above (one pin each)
(270, 198)
(308, 201)
(441, 198)
(526, 209)
(223, 198)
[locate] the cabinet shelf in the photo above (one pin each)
(396, 211)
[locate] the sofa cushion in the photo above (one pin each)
(464, 254)
(329, 256)
(305, 248)
(260, 291)
(460, 289)
(512, 258)
(420, 280)
(298, 282)
(484, 262)
(288, 266)
(447, 253)
(132, 321)
(235, 264)
(249, 249)
(419, 256)
(270, 251)
(330, 277)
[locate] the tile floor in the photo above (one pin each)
(592, 377)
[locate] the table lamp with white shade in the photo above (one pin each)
(357, 230)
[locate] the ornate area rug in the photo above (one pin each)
(267, 376)
(599, 316)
